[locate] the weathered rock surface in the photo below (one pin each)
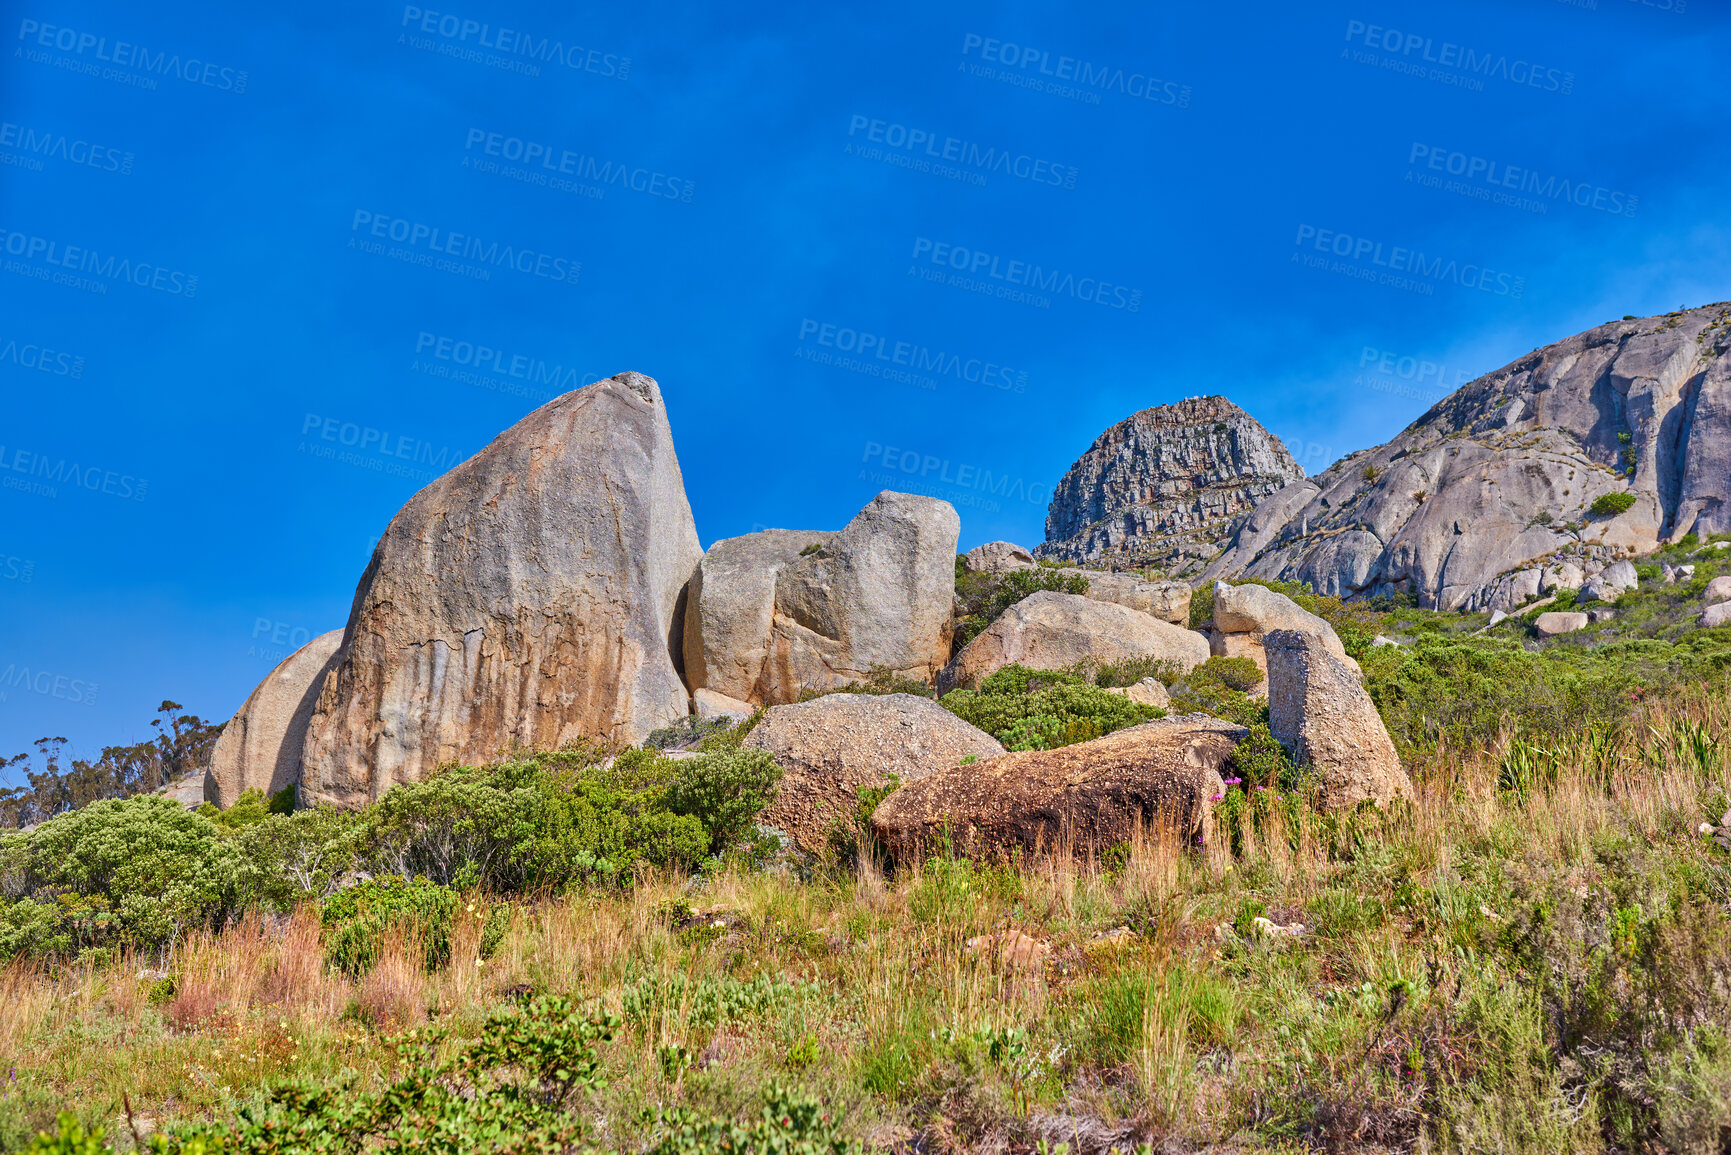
(260, 748)
(1085, 797)
(1049, 631)
(1162, 487)
(730, 609)
(831, 746)
(530, 596)
(881, 593)
(1715, 616)
(706, 703)
(1717, 590)
(1324, 718)
(1555, 623)
(998, 557)
(1611, 583)
(1489, 479)
(1167, 600)
(1147, 692)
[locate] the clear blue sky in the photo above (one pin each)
(919, 237)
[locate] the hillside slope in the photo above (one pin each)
(1505, 471)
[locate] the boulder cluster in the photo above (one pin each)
(552, 590)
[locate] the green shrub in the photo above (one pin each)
(790, 1124)
(508, 1090)
(300, 855)
(1218, 687)
(724, 791)
(1133, 670)
(358, 920)
(554, 820)
(1044, 709)
(981, 597)
(1611, 504)
(138, 869)
(1202, 607)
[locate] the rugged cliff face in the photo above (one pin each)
(1504, 471)
(1161, 488)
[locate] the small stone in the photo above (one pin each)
(1498, 616)
(1715, 616)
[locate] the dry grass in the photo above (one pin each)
(1406, 1010)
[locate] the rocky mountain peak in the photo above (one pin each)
(1161, 488)
(1503, 474)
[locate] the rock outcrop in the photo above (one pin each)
(1610, 583)
(830, 747)
(531, 596)
(1501, 474)
(1162, 487)
(1244, 615)
(1326, 721)
(260, 748)
(1050, 631)
(730, 609)
(997, 557)
(1555, 623)
(1087, 797)
(879, 594)
(1167, 600)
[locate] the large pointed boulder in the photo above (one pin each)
(528, 598)
(260, 748)
(1328, 723)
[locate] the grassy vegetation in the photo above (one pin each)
(1541, 964)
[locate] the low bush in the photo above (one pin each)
(1044, 709)
(137, 870)
(981, 598)
(1611, 504)
(358, 920)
